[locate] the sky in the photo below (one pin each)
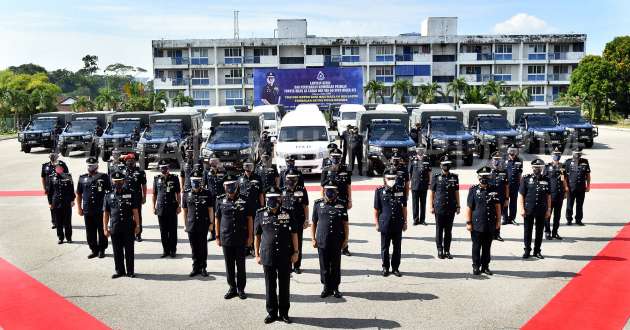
(57, 34)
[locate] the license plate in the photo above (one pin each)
(228, 164)
(306, 170)
(32, 142)
(457, 152)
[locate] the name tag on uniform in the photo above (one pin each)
(543, 182)
(339, 206)
(298, 194)
(126, 196)
(398, 194)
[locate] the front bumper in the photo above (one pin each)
(122, 144)
(35, 139)
(75, 143)
(311, 166)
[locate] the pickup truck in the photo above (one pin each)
(491, 129)
(580, 130)
(123, 132)
(83, 132)
(539, 130)
(41, 130)
(235, 138)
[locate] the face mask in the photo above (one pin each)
(273, 202)
(496, 163)
(512, 153)
(390, 182)
(576, 156)
(483, 180)
(92, 168)
(231, 188)
(445, 167)
(335, 161)
(118, 184)
(290, 183)
(537, 170)
(195, 184)
(248, 168)
(164, 169)
(59, 170)
(330, 194)
(556, 158)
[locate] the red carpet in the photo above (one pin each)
(27, 304)
(597, 298)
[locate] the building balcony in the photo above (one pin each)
(471, 57)
(536, 56)
(503, 77)
(385, 79)
(350, 58)
(199, 61)
(233, 60)
(559, 77)
(200, 81)
(537, 98)
(421, 80)
(503, 57)
(413, 57)
(233, 81)
(166, 83)
(384, 58)
(170, 61)
(474, 78)
(566, 56)
(267, 60)
(536, 77)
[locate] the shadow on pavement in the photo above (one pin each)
(173, 277)
(346, 323)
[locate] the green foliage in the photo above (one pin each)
(181, 100)
(29, 68)
(90, 64)
(516, 98)
(83, 104)
(23, 95)
(374, 89)
(401, 88)
(617, 52)
(475, 95)
(592, 81)
(457, 88)
(427, 93)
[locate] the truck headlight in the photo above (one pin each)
(172, 144)
(471, 142)
(46, 134)
(87, 137)
(539, 134)
(439, 141)
(375, 149)
(489, 137)
(245, 151)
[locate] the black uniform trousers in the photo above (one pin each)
(419, 201)
(443, 230)
(556, 210)
(235, 258)
(300, 235)
(330, 266)
(52, 217)
(497, 232)
(575, 197)
(63, 220)
(199, 247)
(122, 244)
(277, 276)
(168, 229)
(532, 220)
(395, 239)
(509, 213)
(356, 153)
(96, 239)
(140, 219)
(482, 241)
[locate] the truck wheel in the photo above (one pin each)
(588, 144)
(468, 160)
(26, 148)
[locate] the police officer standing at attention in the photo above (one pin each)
(266, 146)
(329, 235)
(234, 232)
(91, 190)
(213, 181)
(120, 220)
(414, 133)
(290, 161)
(483, 217)
(276, 246)
(61, 200)
(579, 176)
(402, 173)
(267, 172)
(189, 165)
(166, 205)
(137, 180)
(344, 139)
(48, 169)
(326, 160)
(356, 150)
(535, 206)
(390, 218)
(114, 164)
(514, 169)
(295, 198)
(251, 190)
(444, 201)
(198, 205)
(420, 172)
(499, 181)
(558, 186)
(338, 174)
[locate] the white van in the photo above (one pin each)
(391, 107)
(436, 106)
(307, 107)
(348, 116)
(303, 134)
(211, 112)
(272, 117)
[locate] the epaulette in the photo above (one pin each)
(319, 200)
(221, 196)
(262, 209)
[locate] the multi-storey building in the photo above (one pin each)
(220, 71)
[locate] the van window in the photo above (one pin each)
(348, 115)
(303, 133)
(269, 115)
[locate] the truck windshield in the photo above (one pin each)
(303, 133)
(447, 126)
(165, 130)
(348, 115)
(571, 119)
(80, 126)
(230, 134)
(389, 132)
(493, 123)
(540, 121)
(123, 127)
(43, 124)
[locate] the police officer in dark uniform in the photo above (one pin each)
(137, 181)
(234, 230)
(114, 164)
(186, 170)
(326, 161)
(198, 205)
(250, 189)
(390, 218)
(579, 176)
(344, 139)
(213, 181)
(414, 133)
(499, 181)
(444, 201)
(276, 245)
(555, 171)
(267, 172)
(167, 205)
(356, 149)
(483, 217)
(514, 168)
(48, 169)
(295, 198)
(420, 173)
(271, 92)
(535, 206)
(290, 161)
(91, 190)
(339, 176)
(402, 172)
(329, 235)
(61, 200)
(266, 145)
(121, 219)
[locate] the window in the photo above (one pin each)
(444, 58)
(536, 93)
(578, 47)
(233, 76)
(473, 70)
(425, 49)
(291, 60)
(503, 52)
(233, 97)
(561, 48)
(532, 69)
(232, 56)
(384, 73)
(537, 52)
(318, 51)
(201, 97)
(384, 53)
(200, 77)
(443, 79)
(199, 56)
(502, 73)
(350, 50)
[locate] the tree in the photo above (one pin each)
(26, 94)
(108, 99)
(29, 68)
(158, 101)
(617, 52)
(374, 89)
(181, 100)
(457, 87)
(475, 95)
(83, 104)
(592, 81)
(427, 93)
(568, 100)
(493, 90)
(90, 64)
(517, 98)
(401, 88)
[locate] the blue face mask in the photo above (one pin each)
(195, 184)
(556, 157)
(335, 160)
(496, 163)
(273, 202)
(330, 194)
(290, 165)
(231, 188)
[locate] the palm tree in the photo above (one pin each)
(107, 99)
(401, 88)
(475, 95)
(158, 101)
(133, 88)
(82, 104)
(181, 100)
(457, 87)
(427, 93)
(16, 101)
(493, 89)
(374, 89)
(517, 97)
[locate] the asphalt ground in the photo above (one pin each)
(432, 293)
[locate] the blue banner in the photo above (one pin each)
(322, 86)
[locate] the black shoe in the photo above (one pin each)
(396, 273)
(424, 223)
(514, 222)
(242, 295)
(337, 294)
(487, 271)
(270, 319)
(138, 238)
(297, 270)
(538, 255)
(132, 275)
(415, 223)
(347, 253)
(325, 293)
(173, 254)
(579, 223)
(230, 294)
(569, 222)
(194, 273)
(548, 236)
(164, 255)
(204, 273)
(505, 223)
(60, 241)
(211, 239)
(498, 238)
(476, 270)
(69, 240)
(285, 318)
(556, 236)
(448, 255)
(385, 272)
(440, 254)
(53, 227)
(526, 255)
(117, 275)
(101, 255)
(92, 255)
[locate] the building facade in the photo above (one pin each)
(220, 71)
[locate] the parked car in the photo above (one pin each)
(123, 132)
(539, 130)
(83, 132)
(490, 127)
(235, 138)
(40, 131)
(580, 130)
